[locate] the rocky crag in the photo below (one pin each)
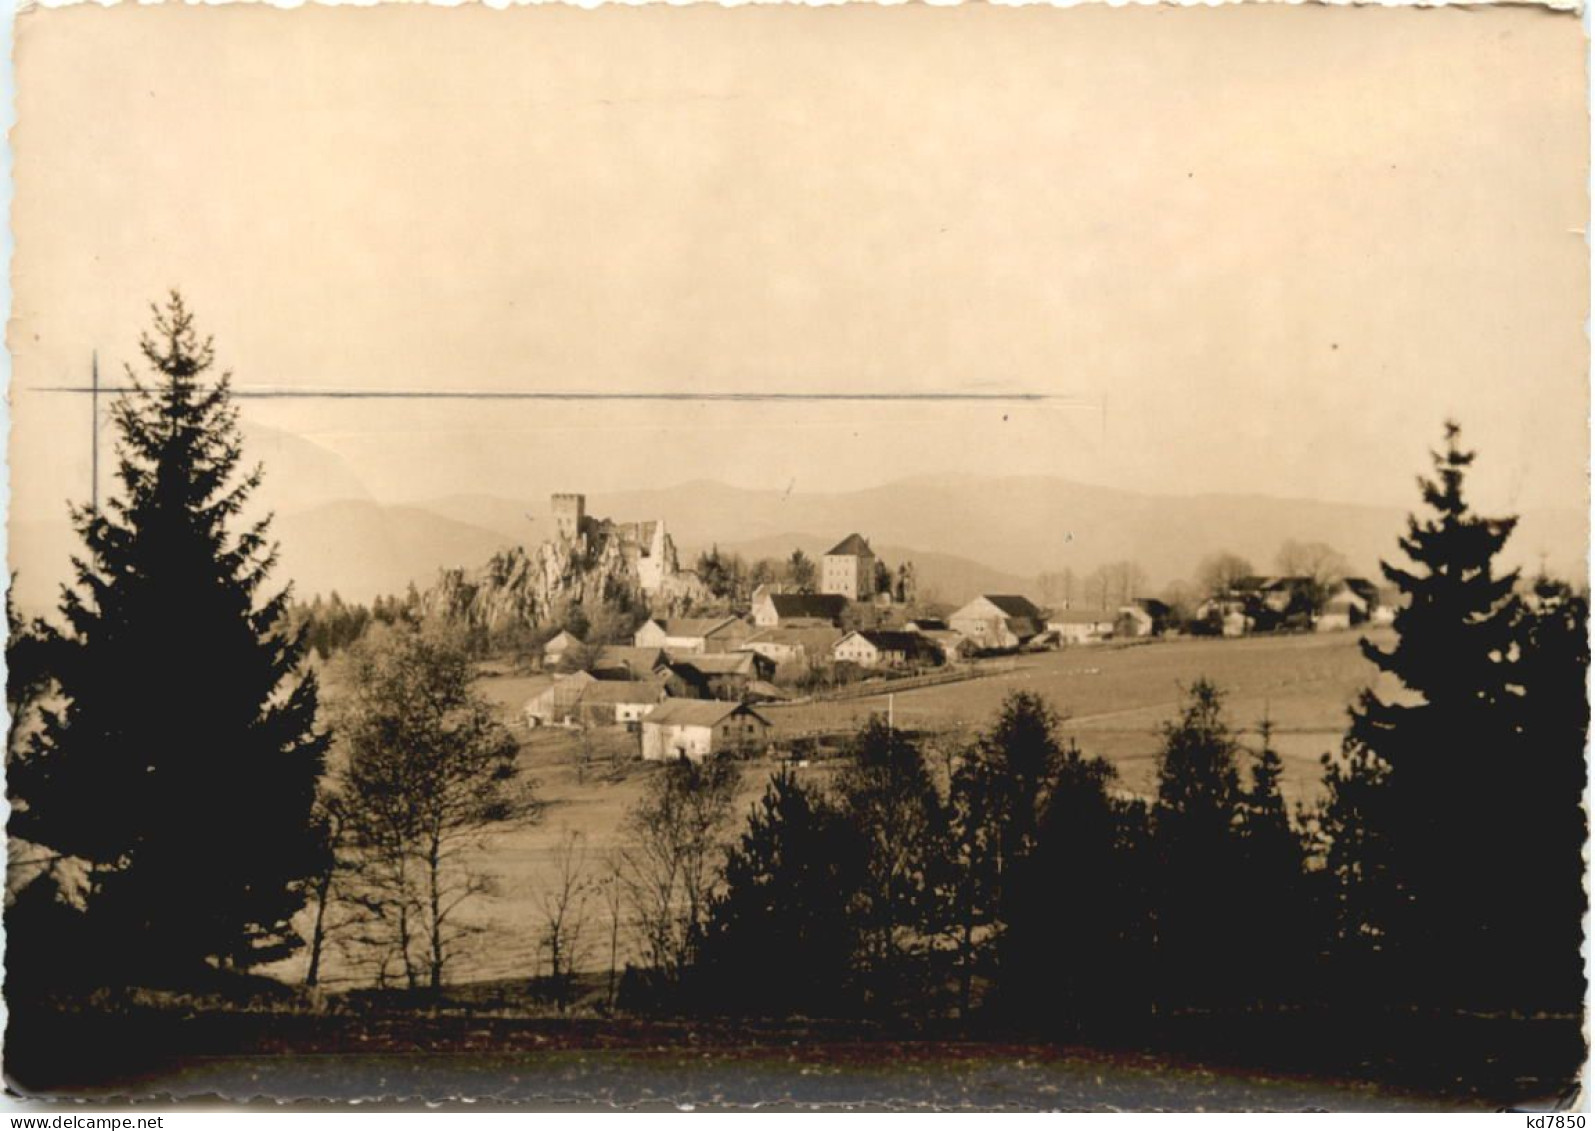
(589, 562)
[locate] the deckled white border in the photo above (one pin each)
(12, 8)
(1553, 5)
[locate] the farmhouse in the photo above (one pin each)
(650, 634)
(772, 610)
(873, 648)
(619, 702)
(581, 700)
(616, 661)
(1348, 605)
(794, 645)
(1142, 616)
(718, 676)
(554, 651)
(848, 569)
(685, 636)
(1081, 626)
(696, 729)
(953, 646)
(559, 704)
(998, 620)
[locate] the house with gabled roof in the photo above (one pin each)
(1142, 617)
(773, 610)
(618, 661)
(848, 569)
(695, 729)
(717, 675)
(802, 645)
(682, 636)
(996, 621)
(558, 646)
(880, 648)
(1080, 625)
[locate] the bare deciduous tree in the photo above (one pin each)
(1321, 568)
(563, 906)
(1220, 573)
(428, 771)
(674, 852)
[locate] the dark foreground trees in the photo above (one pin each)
(1453, 810)
(780, 939)
(177, 765)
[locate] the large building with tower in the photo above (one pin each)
(848, 569)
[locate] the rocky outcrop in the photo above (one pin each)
(535, 587)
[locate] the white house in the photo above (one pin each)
(793, 645)
(1142, 616)
(686, 636)
(651, 634)
(558, 704)
(581, 700)
(554, 651)
(771, 610)
(696, 728)
(620, 702)
(870, 648)
(1344, 608)
(998, 620)
(1081, 626)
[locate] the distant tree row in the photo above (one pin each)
(731, 579)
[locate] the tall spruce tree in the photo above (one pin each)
(181, 768)
(1199, 895)
(1426, 796)
(1075, 955)
(1554, 672)
(1277, 924)
(788, 884)
(997, 798)
(889, 800)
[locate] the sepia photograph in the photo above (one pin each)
(928, 558)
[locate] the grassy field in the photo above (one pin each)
(1115, 698)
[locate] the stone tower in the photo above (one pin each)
(570, 511)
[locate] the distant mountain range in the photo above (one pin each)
(965, 534)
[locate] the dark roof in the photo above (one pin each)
(1025, 627)
(819, 636)
(819, 606)
(1013, 605)
(852, 546)
(728, 663)
(929, 624)
(697, 712)
(638, 661)
(889, 641)
(697, 626)
(1364, 588)
(1151, 606)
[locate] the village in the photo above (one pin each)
(697, 685)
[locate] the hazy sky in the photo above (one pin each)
(1243, 249)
